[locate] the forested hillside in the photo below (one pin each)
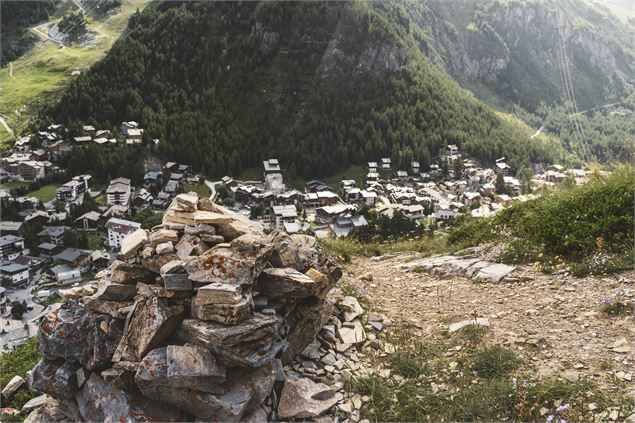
(527, 51)
(15, 18)
(318, 85)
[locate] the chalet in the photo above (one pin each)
(512, 184)
(284, 214)
(36, 219)
(401, 175)
(444, 213)
(89, 129)
(39, 155)
(385, 163)
(372, 166)
(471, 199)
(270, 166)
(60, 148)
(372, 177)
(152, 178)
(274, 183)
(31, 170)
(369, 197)
(103, 133)
(116, 210)
(11, 246)
(328, 214)
(162, 201)
(229, 182)
(34, 264)
(142, 200)
(502, 167)
(99, 259)
(10, 228)
(82, 140)
(118, 191)
(488, 189)
(352, 194)
(117, 231)
(73, 258)
(176, 177)
(47, 249)
(53, 234)
(451, 150)
(88, 221)
(65, 275)
(316, 186)
(127, 126)
(414, 211)
(343, 225)
(415, 167)
(292, 197)
(14, 275)
(171, 187)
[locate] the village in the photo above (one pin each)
(69, 229)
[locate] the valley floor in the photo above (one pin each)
(554, 322)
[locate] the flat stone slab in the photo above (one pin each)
(460, 325)
(495, 272)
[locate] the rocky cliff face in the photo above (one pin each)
(511, 53)
(194, 321)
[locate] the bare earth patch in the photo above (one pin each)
(555, 322)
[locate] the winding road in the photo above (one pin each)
(212, 187)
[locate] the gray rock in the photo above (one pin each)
(244, 392)
(177, 282)
(77, 334)
(122, 272)
(352, 335)
(115, 291)
(238, 265)
(200, 230)
(161, 236)
(494, 273)
(285, 283)
(101, 401)
(120, 378)
(304, 322)
(152, 321)
(49, 411)
(219, 293)
(350, 308)
(116, 309)
(165, 247)
(156, 262)
(228, 314)
(34, 403)
(189, 245)
(56, 378)
(253, 343)
(10, 388)
(212, 240)
(305, 399)
(460, 325)
(193, 367)
(132, 243)
(172, 267)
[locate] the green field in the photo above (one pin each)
(11, 185)
(201, 189)
(46, 193)
(39, 74)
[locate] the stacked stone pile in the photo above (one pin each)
(195, 320)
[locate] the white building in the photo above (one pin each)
(118, 191)
(118, 229)
(14, 274)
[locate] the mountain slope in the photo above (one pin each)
(15, 18)
(319, 85)
(510, 52)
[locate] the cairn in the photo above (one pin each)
(195, 320)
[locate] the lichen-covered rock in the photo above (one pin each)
(252, 343)
(152, 322)
(101, 401)
(122, 272)
(243, 393)
(285, 283)
(305, 399)
(56, 378)
(237, 265)
(227, 314)
(77, 334)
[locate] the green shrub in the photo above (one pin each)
(495, 362)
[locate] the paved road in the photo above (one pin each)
(212, 186)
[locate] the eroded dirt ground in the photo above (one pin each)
(555, 322)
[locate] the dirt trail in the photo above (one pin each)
(4, 124)
(554, 321)
(11, 70)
